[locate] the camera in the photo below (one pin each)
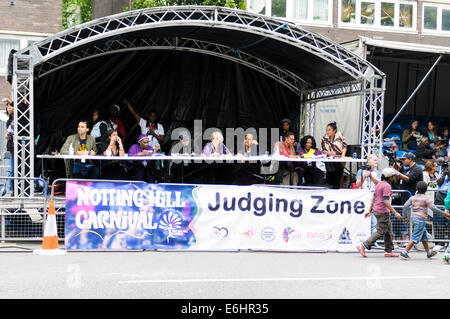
(367, 167)
(442, 162)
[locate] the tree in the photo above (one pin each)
(76, 12)
(140, 4)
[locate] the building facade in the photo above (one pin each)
(423, 22)
(102, 8)
(24, 22)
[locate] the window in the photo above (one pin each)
(446, 19)
(9, 41)
(372, 14)
(279, 8)
(320, 10)
(300, 9)
(406, 16)
(387, 14)
(430, 18)
(306, 11)
(348, 11)
(257, 6)
(367, 13)
(436, 19)
(6, 45)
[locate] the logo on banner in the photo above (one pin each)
(248, 234)
(221, 232)
(319, 235)
(171, 222)
(344, 238)
(268, 234)
(286, 233)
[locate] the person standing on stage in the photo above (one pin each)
(115, 121)
(334, 145)
(149, 126)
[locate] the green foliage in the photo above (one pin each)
(76, 12)
(140, 4)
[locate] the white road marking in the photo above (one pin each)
(212, 280)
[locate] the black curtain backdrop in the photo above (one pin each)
(179, 86)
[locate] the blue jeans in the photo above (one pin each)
(419, 233)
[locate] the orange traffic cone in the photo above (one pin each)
(50, 242)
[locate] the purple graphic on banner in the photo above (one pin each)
(129, 216)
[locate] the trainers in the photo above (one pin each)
(431, 253)
(361, 250)
(404, 254)
(391, 255)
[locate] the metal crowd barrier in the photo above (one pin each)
(438, 227)
(23, 219)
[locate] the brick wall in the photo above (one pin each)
(34, 16)
(43, 16)
(102, 8)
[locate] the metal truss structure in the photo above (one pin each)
(103, 36)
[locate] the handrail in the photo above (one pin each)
(27, 178)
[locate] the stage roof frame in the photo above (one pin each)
(305, 62)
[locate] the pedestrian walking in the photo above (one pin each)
(419, 205)
(381, 207)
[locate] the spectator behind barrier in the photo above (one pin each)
(430, 177)
(432, 132)
(441, 226)
(409, 136)
(410, 177)
(424, 151)
(368, 178)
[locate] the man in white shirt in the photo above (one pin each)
(154, 130)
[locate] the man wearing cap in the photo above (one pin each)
(116, 122)
(381, 207)
(412, 176)
(141, 170)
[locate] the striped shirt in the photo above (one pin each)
(419, 204)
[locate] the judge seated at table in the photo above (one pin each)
(141, 169)
(112, 146)
(81, 144)
(216, 146)
(250, 145)
(310, 173)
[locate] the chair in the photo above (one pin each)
(399, 153)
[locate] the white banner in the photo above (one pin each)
(274, 218)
